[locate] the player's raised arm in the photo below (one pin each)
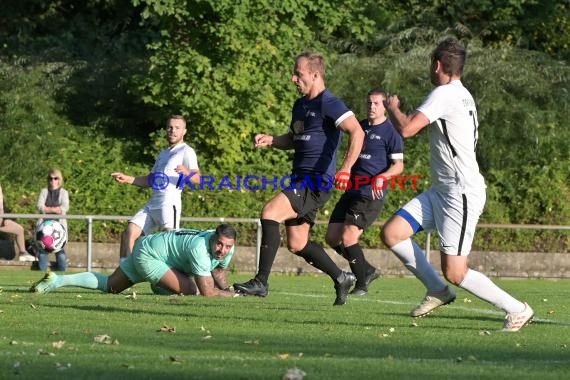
(408, 126)
(141, 181)
(195, 178)
(280, 142)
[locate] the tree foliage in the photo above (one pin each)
(227, 66)
(538, 25)
(86, 86)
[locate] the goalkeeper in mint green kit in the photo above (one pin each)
(184, 261)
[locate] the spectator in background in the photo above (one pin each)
(53, 199)
(10, 227)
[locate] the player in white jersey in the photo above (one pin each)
(163, 210)
(455, 201)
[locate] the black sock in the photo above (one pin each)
(358, 264)
(315, 255)
(270, 240)
(341, 250)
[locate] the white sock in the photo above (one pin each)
(415, 260)
(482, 286)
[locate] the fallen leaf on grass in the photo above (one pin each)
(174, 359)
(168, 329)
(294, 374)
(42, 352)
(133, 295)
(283, 356)
(33, 306)
(103, 339)
(62, 367)
(58, 344)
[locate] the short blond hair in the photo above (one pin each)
(316, 62)
(56, 172)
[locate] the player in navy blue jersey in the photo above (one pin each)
(318, 118)
(381, 158)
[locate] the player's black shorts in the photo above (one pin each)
(306, 202)
(355, 209)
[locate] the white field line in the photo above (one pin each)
(453, 306)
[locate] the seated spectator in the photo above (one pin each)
(53, 199)
(10, 227)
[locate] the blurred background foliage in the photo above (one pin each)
(87, 85)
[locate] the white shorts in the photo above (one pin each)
(167, 217)
(453, 215)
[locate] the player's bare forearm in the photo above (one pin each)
(399, 119)
(141, 181)
(283, 142)
(220, 278)
(207, 288)
(380, 180)
(195, 178)
(355, 141)
(280, 142)
(396, 168)
(407, 125)
(130, 180)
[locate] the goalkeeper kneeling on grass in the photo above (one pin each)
(184, 261)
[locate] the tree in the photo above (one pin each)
(227, 66)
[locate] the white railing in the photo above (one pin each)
(90, 218)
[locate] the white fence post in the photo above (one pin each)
(89, 242)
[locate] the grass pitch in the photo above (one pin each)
(294, 333)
